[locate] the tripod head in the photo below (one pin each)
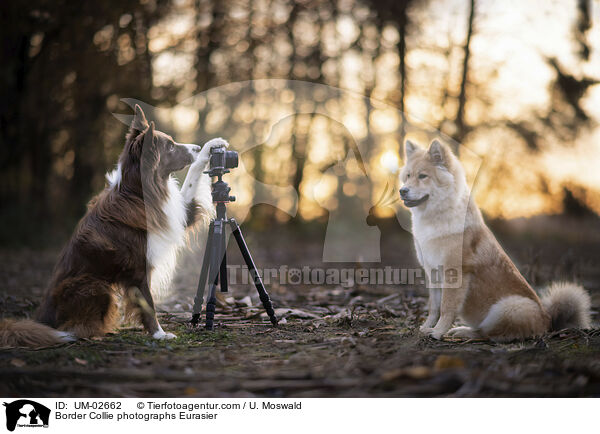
(220, 191)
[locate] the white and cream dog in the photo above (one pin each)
(486, 290)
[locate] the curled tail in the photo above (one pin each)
(568, 305)
(27, 333)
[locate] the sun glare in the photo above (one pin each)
(389, 160)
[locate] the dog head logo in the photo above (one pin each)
(26, 413)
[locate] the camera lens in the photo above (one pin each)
(231, 159)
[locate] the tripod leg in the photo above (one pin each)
(215, 262)
(199, 299)
(258, 283)
(223, 272)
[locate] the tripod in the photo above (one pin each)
(214, 264)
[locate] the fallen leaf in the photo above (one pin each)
(286, 312)
(448, 362)
(392, 375)
(415, 372)
(190, 391)
(418, 372)
(246, 301)
(81, 361)
(19, 363)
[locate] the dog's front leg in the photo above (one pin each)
(453, 298)
(435, 295)
(434, 304)
(192, 179)
(142, 299)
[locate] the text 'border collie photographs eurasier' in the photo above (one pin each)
(126, 244)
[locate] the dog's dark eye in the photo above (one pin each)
(408, 176)
(171, 146)
(422, 176)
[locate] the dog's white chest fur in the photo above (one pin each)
(437, 233)
(163, 246)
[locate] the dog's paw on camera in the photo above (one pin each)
(217, 142)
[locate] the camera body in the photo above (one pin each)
(221, 160)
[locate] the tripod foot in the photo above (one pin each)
(195, 319)
(266, 301)
(210, 310)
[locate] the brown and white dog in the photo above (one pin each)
(126, 244)
(488, 292)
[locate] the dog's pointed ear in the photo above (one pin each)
(149, 137)
(437, 153)
(139, 122)
(409, 149)
(149, 152)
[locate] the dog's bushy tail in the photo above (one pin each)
(568, 305)
(28, 333)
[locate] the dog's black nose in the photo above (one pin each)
(403, 191)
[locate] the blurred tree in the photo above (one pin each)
(571, 89)
(574, 205)
(461, 127)
(397, 12)
(61, 65)
(583, 24)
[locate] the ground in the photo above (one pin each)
(333, 341)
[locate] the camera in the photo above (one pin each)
(221, 160)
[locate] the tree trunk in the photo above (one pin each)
(403, 24)
(461, 127)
